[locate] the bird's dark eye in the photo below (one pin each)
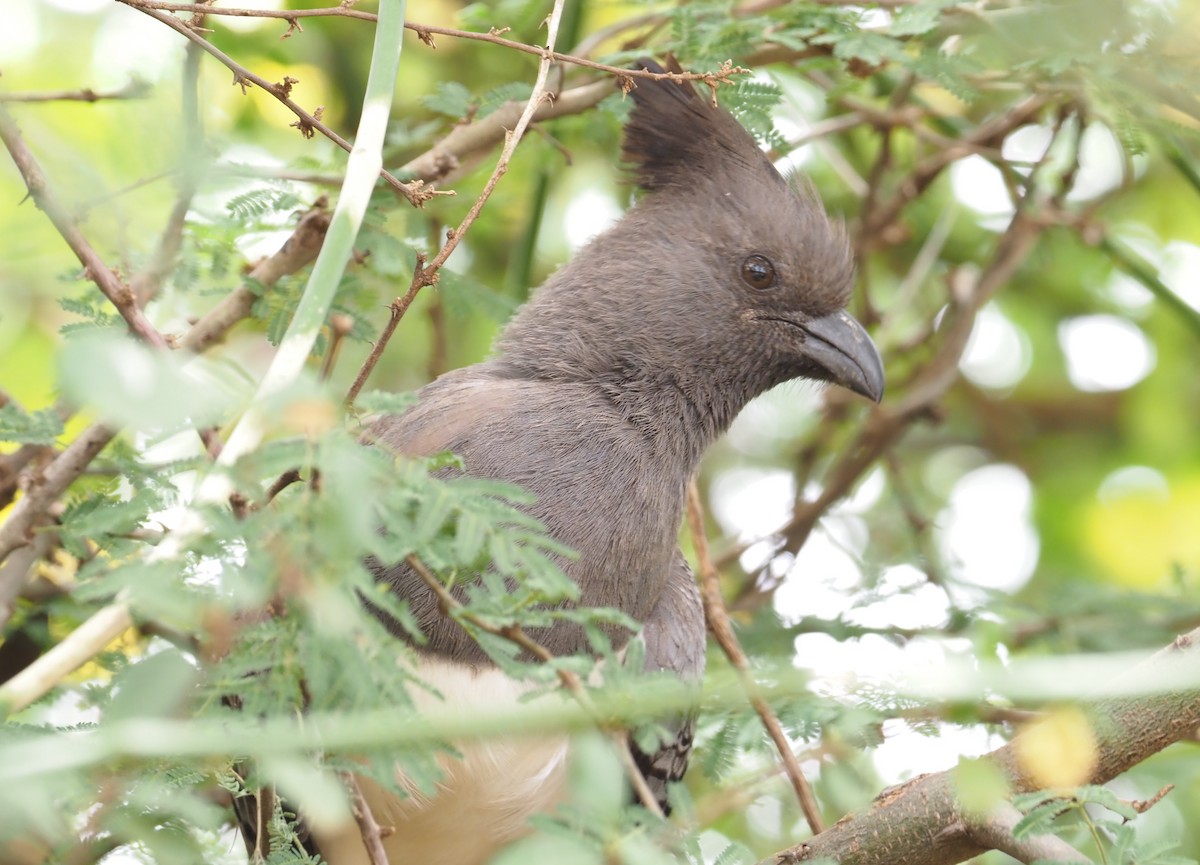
(758, 272)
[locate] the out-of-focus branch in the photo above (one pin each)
(83, 644)
(135, 89)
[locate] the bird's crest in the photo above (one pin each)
(674, 137)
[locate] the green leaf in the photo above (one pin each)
(597, 781)
(1040, 819)
(734, 854)
(872, 48)
(450, 98)
(920, 18)
(132, 385)
(383, 402)
(980, 784)
(517, 91)
(40, 427)
(1105, 797)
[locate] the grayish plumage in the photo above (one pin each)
(609, 385)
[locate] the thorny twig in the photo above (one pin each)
(372, 833)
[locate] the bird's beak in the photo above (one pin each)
(840, 345)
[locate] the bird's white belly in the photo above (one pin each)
(484, 800)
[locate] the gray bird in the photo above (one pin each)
(602, 396)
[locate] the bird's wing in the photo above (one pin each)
(675, 641)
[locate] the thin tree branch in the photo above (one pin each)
(722, 630)
(426, 32)
(135, 89)
(371, 831)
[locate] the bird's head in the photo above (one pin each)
(773, 264)
(724, 279)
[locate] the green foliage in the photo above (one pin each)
(32, 428)
(1115, 839)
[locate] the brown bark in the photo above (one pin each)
(921, 823)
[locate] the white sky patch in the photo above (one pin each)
(21, 35)
(1100, 164)
(79, 7)
(1126, 291)
(986, 534)
(906, 599)
(998, 354)
(1181, 271)
(765, 816)
(260, 244)
(874, 19)
(1105, 353)
(752, 502)
(588, 214)
(130, 45)
(864, 496)
(792, 131)
(906, 752)
(978, 184)
(1027, 144)
(821, 581)
(780, 415)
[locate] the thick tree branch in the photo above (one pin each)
(921, 823)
